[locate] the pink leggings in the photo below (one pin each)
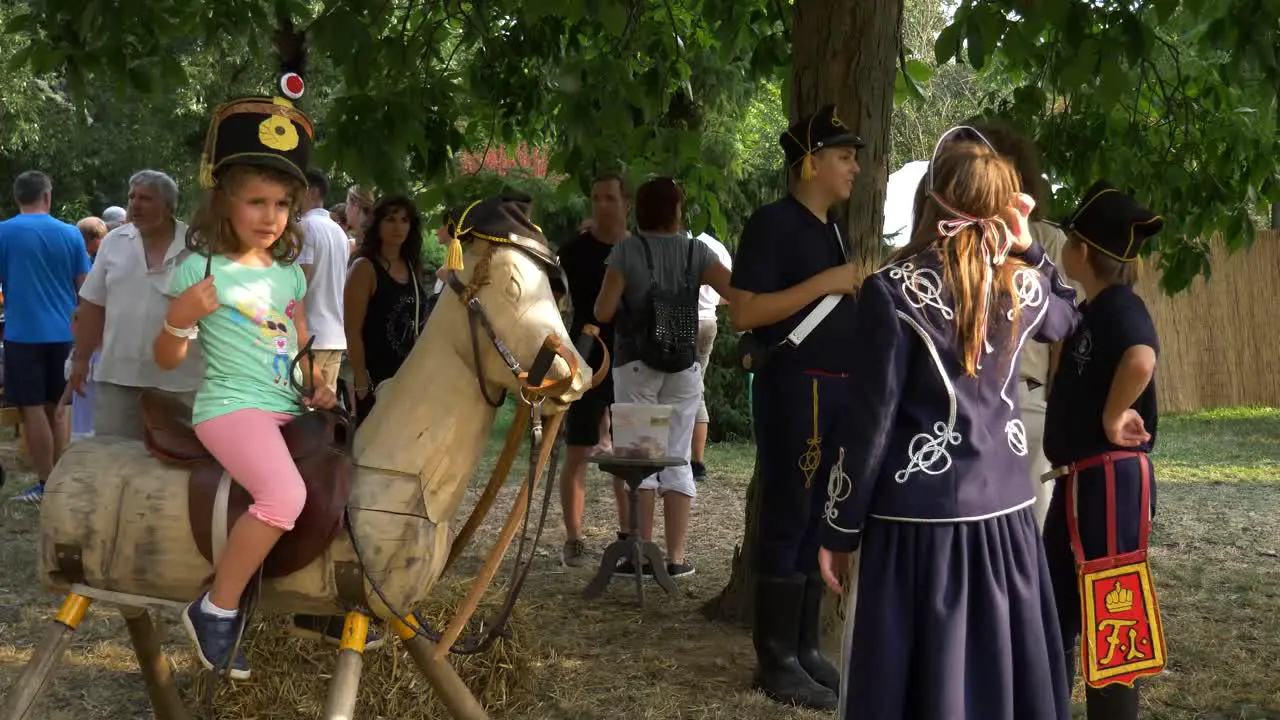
(249, 445)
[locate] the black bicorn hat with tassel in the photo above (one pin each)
(811, 133)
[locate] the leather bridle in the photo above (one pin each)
(478, 321)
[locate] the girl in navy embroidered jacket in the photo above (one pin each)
(956, 621)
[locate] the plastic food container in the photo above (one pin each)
(640, 431)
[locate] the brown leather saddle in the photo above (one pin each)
(320, 443)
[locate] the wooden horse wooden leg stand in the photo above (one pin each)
(345, 685)
(39, 670)
(152, 661)
(154, 665)
(453, 692)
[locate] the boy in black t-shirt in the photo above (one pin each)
(586, 424)
(790, 258)
(1100, 424)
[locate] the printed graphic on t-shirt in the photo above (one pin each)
(401, 333)
(275, 331)
(1082, 350)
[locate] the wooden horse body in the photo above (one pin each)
(120, 523)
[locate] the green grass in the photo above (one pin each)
(1232, 445)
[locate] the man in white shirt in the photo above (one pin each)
(323, 259)
(324, 262)
(122, 302)
(708, 301)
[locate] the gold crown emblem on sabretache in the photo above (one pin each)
(1119, 599)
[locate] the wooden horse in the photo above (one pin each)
(119, 525)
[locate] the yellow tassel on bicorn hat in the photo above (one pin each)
(808, 168)
(453, 256)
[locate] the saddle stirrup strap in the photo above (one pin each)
(218, 529)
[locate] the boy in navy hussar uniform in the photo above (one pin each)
(791, 257)
(1100, 424)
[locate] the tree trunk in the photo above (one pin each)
(736, 603)
(846, 52)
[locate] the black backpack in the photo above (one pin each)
(667, 328)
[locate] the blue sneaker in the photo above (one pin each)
(31, 496)
(214, 637)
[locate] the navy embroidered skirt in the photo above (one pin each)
(954, 621)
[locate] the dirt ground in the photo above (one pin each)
(1217, 570)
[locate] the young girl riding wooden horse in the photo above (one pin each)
(241, 294)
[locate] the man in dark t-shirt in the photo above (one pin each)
(583, 261)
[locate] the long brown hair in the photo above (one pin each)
(210, 231)
(973, 179)
(1022, 152)
(370, 246)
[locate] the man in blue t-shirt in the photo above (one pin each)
(42, 263)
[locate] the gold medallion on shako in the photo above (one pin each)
(277, 133)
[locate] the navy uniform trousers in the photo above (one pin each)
(1114, 702)
(795, 415)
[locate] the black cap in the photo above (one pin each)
(498, 218)
(502, 219)
(265, 131)
(812, 133)
(1113, 222)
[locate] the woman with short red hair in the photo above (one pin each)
(650, 294)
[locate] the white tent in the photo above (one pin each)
(899, 201)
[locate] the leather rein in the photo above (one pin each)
(533, 388)
(478, 321)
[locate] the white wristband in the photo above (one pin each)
(185, 333)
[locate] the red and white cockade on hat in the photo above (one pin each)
(291, 85)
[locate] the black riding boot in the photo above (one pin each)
(809, 651)
(1114, 702)
(779, 606)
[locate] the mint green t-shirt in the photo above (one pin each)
(248, 342)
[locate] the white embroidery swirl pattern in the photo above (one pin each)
(921, 287)
(839, 488)
(928, 452)
(1016, 433)
(1027, 327)
(1026, 282)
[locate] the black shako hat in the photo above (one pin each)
(264, 131)
(1113, 222)
(812, 133)
(501, 219)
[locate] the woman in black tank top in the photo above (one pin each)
(384, 301)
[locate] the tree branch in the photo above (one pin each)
(493, 129)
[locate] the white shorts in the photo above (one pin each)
(638, 383)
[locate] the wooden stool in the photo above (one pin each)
(632, 471)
